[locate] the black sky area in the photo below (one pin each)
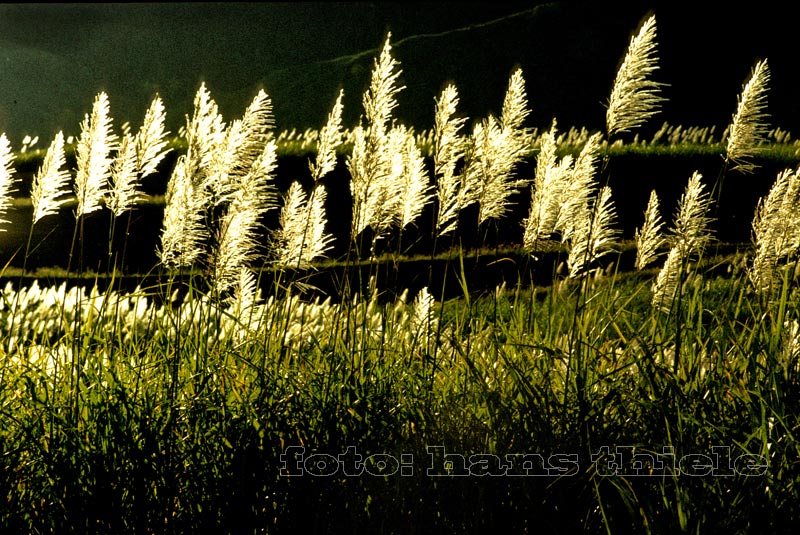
(54, 58)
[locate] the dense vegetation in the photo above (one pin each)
(606, 381)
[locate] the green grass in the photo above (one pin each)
(176, 422)
(133, 413)
(572, 405)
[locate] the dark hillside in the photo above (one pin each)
(56, 57)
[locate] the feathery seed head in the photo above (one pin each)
(634, 97)
(497, 146)
(93, 157)
(688, 237)
(183, 230)
(263, 168)
(218, 177)
(448, 150)
(7, 178)
(493, 156)
(415, 191)
(238, 235)
(472, 172)
(776, 229)
(123, 194)
(649, 238)
(301, 237)
(236, 241)
(361, 163)
(422, 318)
(320, 241)
(547, 196)
(749, 128)
(594, 234)
(515, 105)
(330, 138)
(379, 101)
(386, 197)
(665, 288)
(691, 226)
(546, 158)
(580, 187)
(378, 183)
(256, 126)
(237, 149)
(448, 143)
(205, 131)
(51, 183)
(373, 155)
(246, 294)
(151, 139)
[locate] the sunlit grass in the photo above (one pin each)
(172, 406)
(489, 375)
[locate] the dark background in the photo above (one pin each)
(54, 58)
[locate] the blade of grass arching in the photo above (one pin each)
(777, 325)
(756, 444)
(693, 341)
(600, 506)
(680, 502)
(781, 445)
(575, 355)
(716, 193)
(620, 319)
(123, 254)
(625, 490)
(112, 226)
(531, 302)
(537, 397)
(462, 278)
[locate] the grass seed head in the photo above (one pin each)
(51, 183)
(649, 238)
(749, 126)
(122, 195)
(94, 157)
(7, 178)
(448, 150)
(151, 140)
(330, 138)
(635, 97)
